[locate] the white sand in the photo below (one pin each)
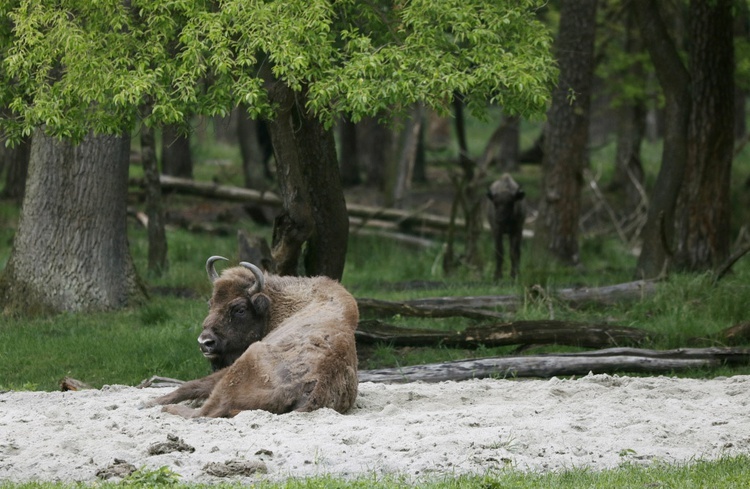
(418, 430)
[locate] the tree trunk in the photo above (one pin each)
(703, 204)
(566, 139)
(314, 209)
(254, 159)
(628, 177)
(349, 156)
(176, 157)
(157, 238)
(71, 250)
(674, 79)
(510, 148)
(404, 170)
(17, 164)
(375, 149)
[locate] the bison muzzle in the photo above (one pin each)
(275, 343)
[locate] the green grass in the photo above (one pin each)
(159, 338)
(724, 473)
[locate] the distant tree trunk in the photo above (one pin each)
(420, 161)
(658, 232)
(225, 127)
(176, 157)
(741, 31)
(254, 161)
(468, 198)
(566, 138)
(17, 164)
(375, 148)
(502, 150)
(157, 238)
(509, 147)
(349, 155)
(71, 249)
(628, 175)
(703, 204)
(403, 170)
(314, 209)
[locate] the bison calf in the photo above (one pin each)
(279, 344)
(506, 214)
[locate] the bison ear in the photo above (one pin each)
(520, 194)
(261, 304)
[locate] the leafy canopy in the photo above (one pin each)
(81, 65)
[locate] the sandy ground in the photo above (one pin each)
(416, 430)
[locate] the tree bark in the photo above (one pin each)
(176, 157)
(703, 204)
(657, 234)
(566, 138)
(314, 209)
(157, 238)
(17, 164)
(71, 250)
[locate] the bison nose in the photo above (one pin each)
(207, 344)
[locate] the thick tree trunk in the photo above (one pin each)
(566, 138)
(176, 157)
(157, 238)
(71, 250)
(314, 209)
(703, 204)
(658, 231)
(17, 164)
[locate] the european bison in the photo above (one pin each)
(506, 214)
(279, 344)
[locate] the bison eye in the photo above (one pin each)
(239, 311)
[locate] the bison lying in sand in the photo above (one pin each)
(279, 344)
(506, 214)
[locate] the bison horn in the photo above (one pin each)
(212, 275)
(259, 280)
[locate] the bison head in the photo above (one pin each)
(505, 196)
(237, 316)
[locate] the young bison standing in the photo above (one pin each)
(506, 214)
(279, 344)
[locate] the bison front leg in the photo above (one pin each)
(515, 253)
(499, 255)
(199, 389)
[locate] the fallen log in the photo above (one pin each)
(609, 361)
(405, 218)
(409, 308)
(473, 305)
(568, 333)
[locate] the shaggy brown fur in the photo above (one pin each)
(304, 357)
